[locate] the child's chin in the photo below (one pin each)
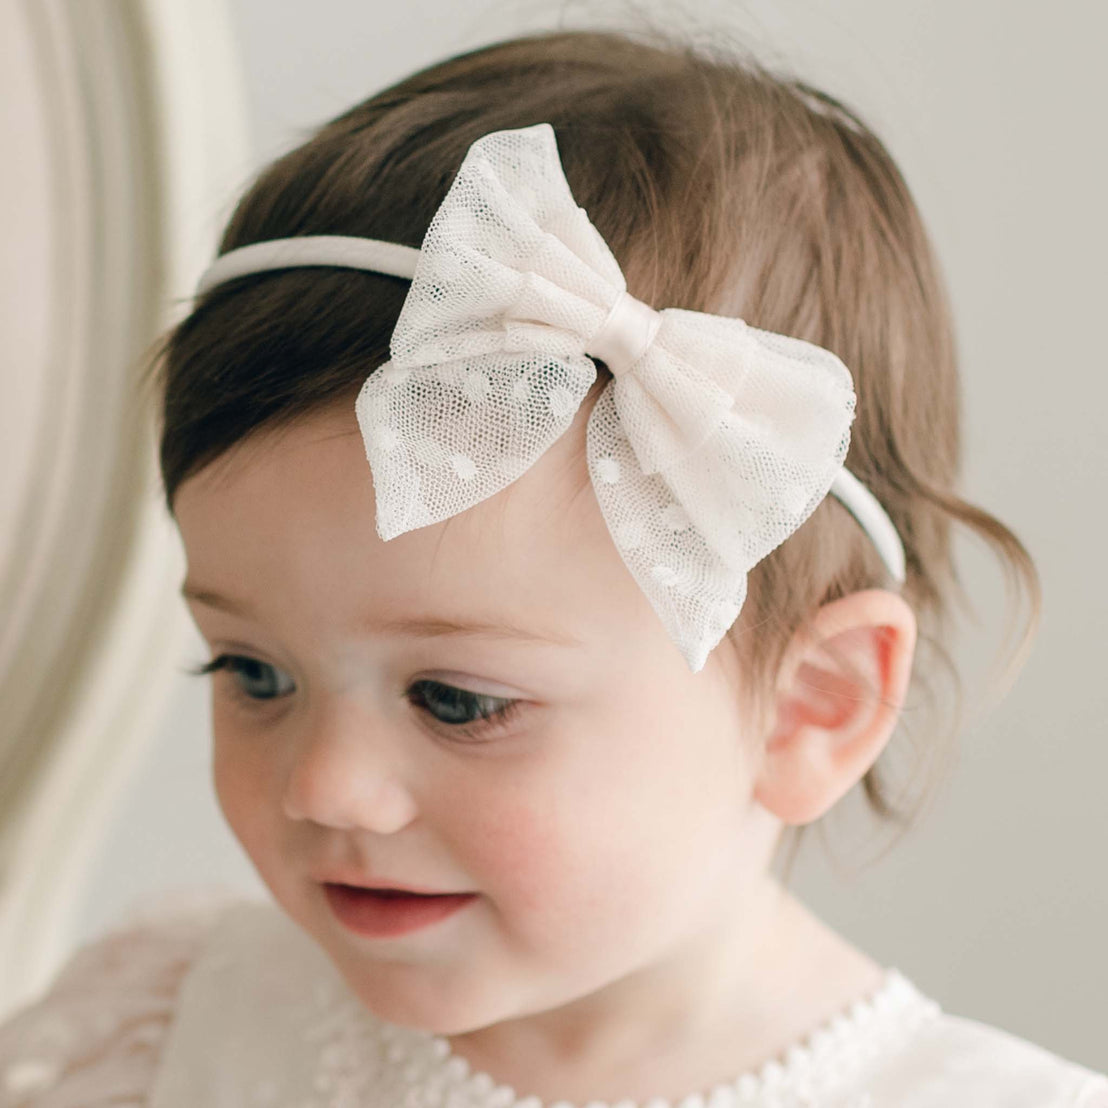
(427, 1009)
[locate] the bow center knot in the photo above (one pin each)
(624, 336)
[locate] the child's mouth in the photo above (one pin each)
(385, 913)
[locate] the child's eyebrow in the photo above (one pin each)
(419, 626)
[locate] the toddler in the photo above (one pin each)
(564, 448)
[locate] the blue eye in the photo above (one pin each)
(467, 715)
(254, 679)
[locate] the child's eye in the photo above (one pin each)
(254, 680)
(467, 715)
(457, 708)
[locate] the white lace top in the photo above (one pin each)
(225, 1003)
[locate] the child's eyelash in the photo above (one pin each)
(494, 719)
(489, 720)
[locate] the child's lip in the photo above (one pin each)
(383, 884)
(374, 915)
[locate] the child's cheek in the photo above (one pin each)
(240, 776)
(545, 859)
(516, 856)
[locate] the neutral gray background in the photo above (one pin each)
(997, 903)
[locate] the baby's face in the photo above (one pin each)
(605, 825)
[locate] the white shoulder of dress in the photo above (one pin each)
(957, 1060)
(94, 1036)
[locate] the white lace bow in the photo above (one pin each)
(711, 445)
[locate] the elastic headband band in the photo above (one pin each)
(397, 260)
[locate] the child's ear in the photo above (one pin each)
(834, 709)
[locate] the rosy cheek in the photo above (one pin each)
(551, 855)
(519, 855)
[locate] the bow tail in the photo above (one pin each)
(693, 591)
(691, 533)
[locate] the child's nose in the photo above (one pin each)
(347, 773)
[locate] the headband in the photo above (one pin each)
(713, 442)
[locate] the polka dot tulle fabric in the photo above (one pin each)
(711, 445)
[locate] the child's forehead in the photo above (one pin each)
(295, 510)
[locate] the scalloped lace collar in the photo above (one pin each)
(366, 1060)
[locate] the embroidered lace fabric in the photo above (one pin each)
(218, 1002)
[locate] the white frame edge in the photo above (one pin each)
(182, 150)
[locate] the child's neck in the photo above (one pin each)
(716, 1010)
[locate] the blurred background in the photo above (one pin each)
(129, 128)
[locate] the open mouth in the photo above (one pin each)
(384, 913)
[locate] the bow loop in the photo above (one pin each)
(508, 245)
(707, 374)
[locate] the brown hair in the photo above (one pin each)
(719, 187)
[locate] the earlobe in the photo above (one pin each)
(840, 689)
